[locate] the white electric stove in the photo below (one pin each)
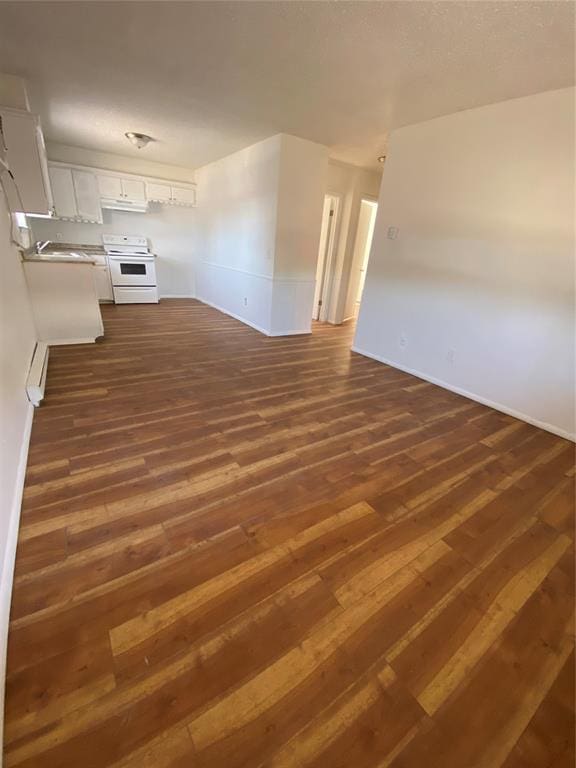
(132, 269)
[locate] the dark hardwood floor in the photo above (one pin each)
(248, 551)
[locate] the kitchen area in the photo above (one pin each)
(90, 235)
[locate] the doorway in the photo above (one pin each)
(326, 250)
(362, 245)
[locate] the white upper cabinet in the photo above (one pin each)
(184, 195)
(156, 192)
(76, 194)
(81, 192)
(133, 189)
(87, 196)
(167, 193)
(110, 187)
(63, 192)
(30, 192)
(121, 189)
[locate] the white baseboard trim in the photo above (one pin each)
(251, 324)
(290, 333)
(177, 296)
(472, 396)
(63, 342)
(7, 576)
(234, 315)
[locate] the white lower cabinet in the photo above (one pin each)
(103, 283)
(64, 302)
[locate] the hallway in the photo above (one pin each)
(239, 550)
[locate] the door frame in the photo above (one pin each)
(355, 263)
(374, 203)
(327, 257)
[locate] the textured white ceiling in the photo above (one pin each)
(208, 78)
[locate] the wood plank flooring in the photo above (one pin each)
(248, 551)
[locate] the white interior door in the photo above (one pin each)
(325, 252)
(362, 245)
(366, 253)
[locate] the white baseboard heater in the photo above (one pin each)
(36, 380)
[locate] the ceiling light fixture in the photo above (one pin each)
(139, 140)
(381, 158)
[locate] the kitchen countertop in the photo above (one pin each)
(63, 253)
(61, 258)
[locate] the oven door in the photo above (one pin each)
(132, 270)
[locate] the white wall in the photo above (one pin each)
(350, 184)
(171, 231)
(477, 291)
(259, 223)
(302, 181)
(237, 231)
(17, 340)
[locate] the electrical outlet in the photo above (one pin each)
(451, 356)
(245, 301)
(403, 341)
(392, 233)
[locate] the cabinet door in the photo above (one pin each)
(184, 195)
(27, 157)
(110, 187)
(87, 197)
(132, 189)
(103, 283)
(63, 192)
(159, 192)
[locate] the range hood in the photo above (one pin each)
(124, 205)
